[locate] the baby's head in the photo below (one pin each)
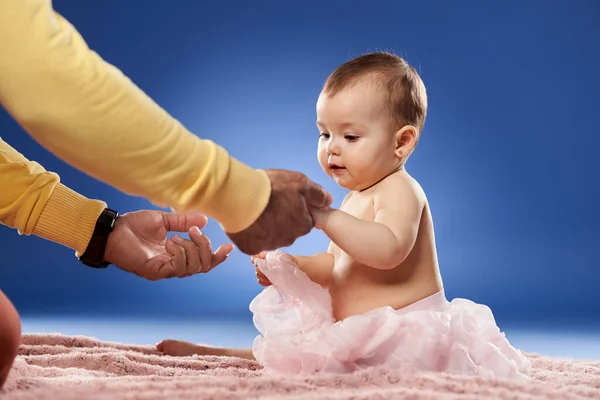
(370, 114)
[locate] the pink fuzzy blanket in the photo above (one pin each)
(52, 366)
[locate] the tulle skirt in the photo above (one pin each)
(298, 334)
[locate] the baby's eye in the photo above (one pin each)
(324, 135)
(351, 138)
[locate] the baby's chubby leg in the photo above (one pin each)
(179, 348)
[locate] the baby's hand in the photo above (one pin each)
(320, 217)
(262, 279)
(262, 255)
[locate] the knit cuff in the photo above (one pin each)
(69, 219)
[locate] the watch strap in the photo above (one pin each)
(94, 253)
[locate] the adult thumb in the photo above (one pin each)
(316, 196)
(183, 222)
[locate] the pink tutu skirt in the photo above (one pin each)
(298, 334)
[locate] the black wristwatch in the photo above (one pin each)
(94, 254)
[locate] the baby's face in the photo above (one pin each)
(356, 143)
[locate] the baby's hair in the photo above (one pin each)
(404, 89)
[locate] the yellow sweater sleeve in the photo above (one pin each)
(89, 114)
(33, 201)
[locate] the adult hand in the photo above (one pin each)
(287, 215)
(139, 244)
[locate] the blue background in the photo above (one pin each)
(508, 156)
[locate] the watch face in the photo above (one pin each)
(108, 218)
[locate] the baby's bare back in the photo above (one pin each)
(356, 288)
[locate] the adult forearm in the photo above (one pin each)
(33, 201)
(89, 114)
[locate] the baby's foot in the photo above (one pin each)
(180, 348)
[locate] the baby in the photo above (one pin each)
(376, 296)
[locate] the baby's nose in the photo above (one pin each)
(333, 148)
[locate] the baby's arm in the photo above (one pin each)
(318, 267)
(386, 242)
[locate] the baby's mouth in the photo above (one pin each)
(336, 169)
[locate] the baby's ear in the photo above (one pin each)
(405, 141)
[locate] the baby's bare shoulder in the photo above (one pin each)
(400, 187)
(399, 205)
(345, 201)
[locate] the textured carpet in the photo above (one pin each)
(53, 366)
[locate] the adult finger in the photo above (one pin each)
(316, 196)
(157, 268)
(193, 263)
(183, 222)
(204, 248)
(221, 254)
(178, 259)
